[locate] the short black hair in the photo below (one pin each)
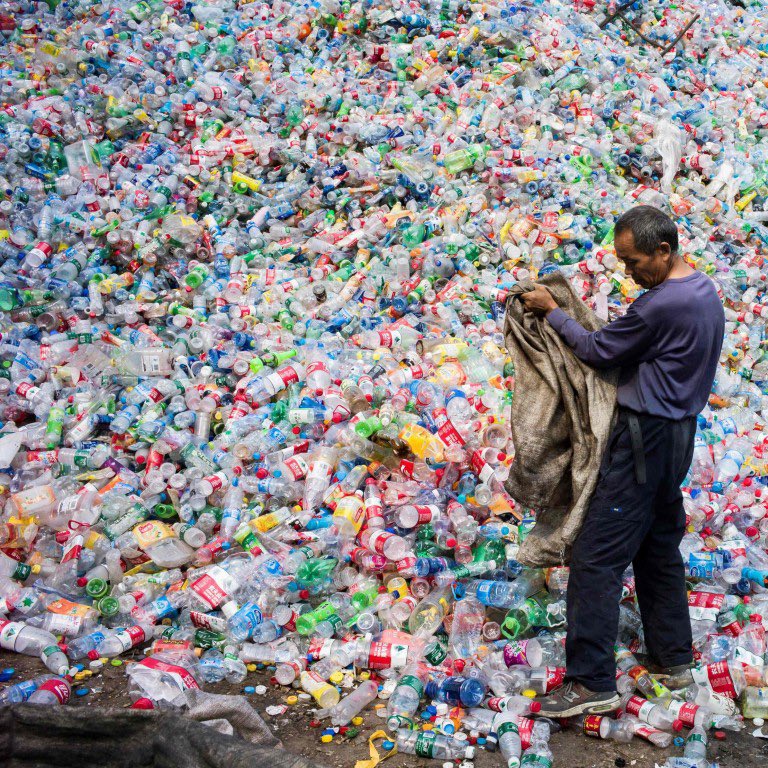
(650, 227)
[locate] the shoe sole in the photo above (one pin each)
(595, 708)
(664, 675)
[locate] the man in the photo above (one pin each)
(667, 346)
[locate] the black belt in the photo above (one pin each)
(638, 451)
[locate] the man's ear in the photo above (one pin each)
(665, 251)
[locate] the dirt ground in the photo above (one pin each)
(570, 749)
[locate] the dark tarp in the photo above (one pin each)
(63, 737)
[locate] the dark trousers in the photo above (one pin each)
(632, 522)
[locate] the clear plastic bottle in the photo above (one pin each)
(404, 702)
(508, 735)
(507, 595)
(538, 755)
(650, 713)
(352, 704)
(20, 692)
(433, 745)
(125, 639)
(606, 728)
(31, 641)
(52, 692)
(655, 736)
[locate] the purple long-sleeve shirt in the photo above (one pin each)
(667, 345)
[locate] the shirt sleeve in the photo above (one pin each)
(623, 341)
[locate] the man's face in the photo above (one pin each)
(646, 269)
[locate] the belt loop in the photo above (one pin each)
(638, 451)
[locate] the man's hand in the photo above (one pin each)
(539, 301)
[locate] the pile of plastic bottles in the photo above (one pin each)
(255, 393)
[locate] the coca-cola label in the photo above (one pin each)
(555, 677)
(732, 630)
(296, 466)
(58, 688)
(450, 435)
(480, 467)
(73, 548)
(380, 656)
(686, 713)
(525, 731)
(204, 621)
(639, 707)
(716, 676)
(288, 375)
(376, 540)
(318, 365)
(704, 606)
(427, 513)
(130, 637)
(497, 703)
(320, 648)
(290, 625)
(213, 587)
(24, 388)
(216, 481)
(645, 731)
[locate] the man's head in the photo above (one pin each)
(646, 241)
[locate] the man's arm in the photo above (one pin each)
(620, 342)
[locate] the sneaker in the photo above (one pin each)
(663, 672)
(574, 699)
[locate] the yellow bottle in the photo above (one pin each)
(323, 693)
(349, 514)
(422, 442)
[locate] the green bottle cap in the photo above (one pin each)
(108, 606)
(164, 511)
(96, 588)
